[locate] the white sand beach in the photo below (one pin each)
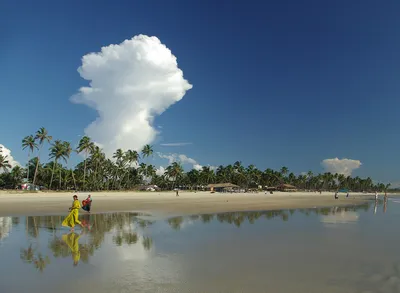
(167, 203)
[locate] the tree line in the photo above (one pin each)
(129, 169)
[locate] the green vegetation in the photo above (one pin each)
(129, 170)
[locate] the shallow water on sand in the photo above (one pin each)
(326, 250)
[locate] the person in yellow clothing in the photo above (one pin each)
(72, 219)
(72, 241)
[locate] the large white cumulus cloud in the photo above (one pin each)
(130, 84)
(7, 153)
(341, 166)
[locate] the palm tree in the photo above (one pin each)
(98, 159)
(57, 151)
(119, 156)
(67, 154)
(41, 135)
(29, 142)
(85, 145)
(131, 157)
(147, 151)
(207, 175)
(174, 171)
(284, 171)
(17, 175)
(4, 163)
(193, 178)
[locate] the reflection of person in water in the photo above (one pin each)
(72, 240)
(375, 206)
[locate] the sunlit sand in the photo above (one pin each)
(168, 203)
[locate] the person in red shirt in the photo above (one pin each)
(87, 203)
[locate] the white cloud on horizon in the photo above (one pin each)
(7, 152)
(175, 144)
(130, 84)
(183, 159)
(341, 166)
(160, 171)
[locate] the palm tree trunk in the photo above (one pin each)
(84, 171)
(52, 173)
(60, 179)
(35, 226)
(27, 171)
(37, 164)
(73, 178)
(95, 172)
(114, 185)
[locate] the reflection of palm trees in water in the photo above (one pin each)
(6, 224)
(238, 218)
(32, 255)
(29, 256)
(385, 204)
(175, 222)
(68, 245)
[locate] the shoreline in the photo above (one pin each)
(166, 204)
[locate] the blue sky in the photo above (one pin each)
(275, 83)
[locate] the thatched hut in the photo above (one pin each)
(286, 187)
(220, 187)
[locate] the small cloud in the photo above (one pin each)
(7, 152)
(175, 144)
(183, 159)
(160, 171)
(197, 167)
(341, 166)
(171, 158)
(186, 160)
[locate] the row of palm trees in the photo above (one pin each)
(129, 169)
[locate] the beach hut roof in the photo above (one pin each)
(289, 186)
(221, 185)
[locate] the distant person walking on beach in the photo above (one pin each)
(336, 195)
(376, 195)
(72, 219)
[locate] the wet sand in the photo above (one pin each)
(166, 203)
